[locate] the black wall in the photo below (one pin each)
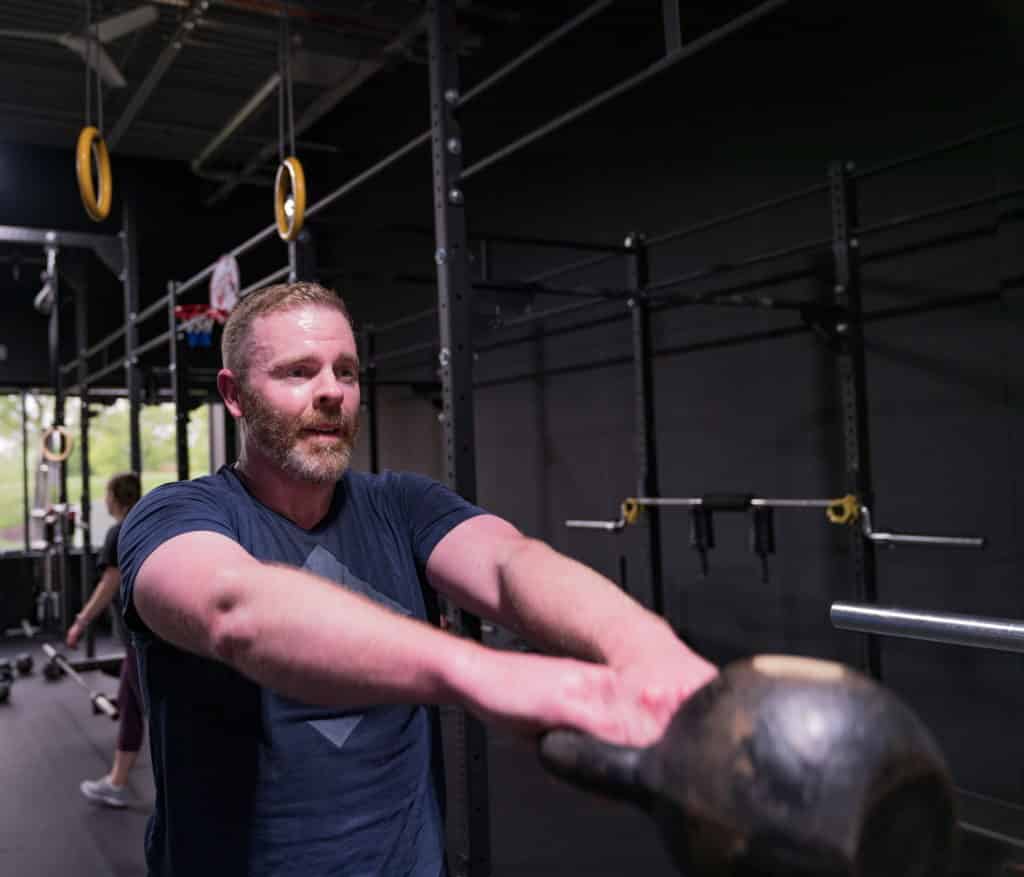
(748, 400)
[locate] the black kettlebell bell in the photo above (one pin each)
(6, 671)
(782, 766)
(24, 663)
(52, 671)
(5, 692)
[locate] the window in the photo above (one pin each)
(109, 453)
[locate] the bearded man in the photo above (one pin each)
(280, 612)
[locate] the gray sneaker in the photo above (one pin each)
(102, 791)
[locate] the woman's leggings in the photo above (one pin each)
(129, 704)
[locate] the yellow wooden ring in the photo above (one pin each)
(67, 443)
(288, 227)
(98, 208)
(630, 510)
(844, 511)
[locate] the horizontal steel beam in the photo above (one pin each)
(669, 60)
(16, 234)
(254, 103)
(191, 18)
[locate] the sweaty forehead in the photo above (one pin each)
(282, 333)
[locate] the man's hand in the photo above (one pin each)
(630, 704)
(654, 681)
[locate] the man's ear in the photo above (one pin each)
(230, 389)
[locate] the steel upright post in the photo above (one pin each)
(467, 800)
(302, 259)
(24, 471)
(130, 279)
(369, 395)
(56, 378)
(646, 432)
(62, 555)
(85, 512)
(853, 389)
(293, 262)
(177, 370)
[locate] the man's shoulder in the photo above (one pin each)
(389, 483)
(216, 489)
(219, 483)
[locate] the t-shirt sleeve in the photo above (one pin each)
(432, 511)
(108, 553)
(162, 514)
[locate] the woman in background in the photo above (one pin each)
(123, 491)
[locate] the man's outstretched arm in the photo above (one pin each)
(314, 641)
(487, 566)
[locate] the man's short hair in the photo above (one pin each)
(125, 488)
(269, 300)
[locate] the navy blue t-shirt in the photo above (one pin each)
(249, 782)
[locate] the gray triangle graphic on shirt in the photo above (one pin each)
(322, 563)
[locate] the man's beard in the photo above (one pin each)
(280, 439)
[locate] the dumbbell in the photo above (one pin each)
(52, 671)
(782, 767)
(6, 670)
(5, 692)
(59, 665)
(24, 663)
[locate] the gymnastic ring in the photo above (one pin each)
(98, 207)
(67, 443)
(630, 510)
(844, 511)
(288, 227)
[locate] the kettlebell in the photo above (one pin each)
(782, 767)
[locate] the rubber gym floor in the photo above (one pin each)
(50, 740)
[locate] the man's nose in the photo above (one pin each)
(329, 389)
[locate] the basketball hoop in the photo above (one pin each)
(197, 323)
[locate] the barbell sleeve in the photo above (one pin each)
(104, 705)
(1000, 634)
(883, 538)
(607, 526)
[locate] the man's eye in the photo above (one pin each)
(296, 372)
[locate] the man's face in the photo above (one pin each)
(300, 403)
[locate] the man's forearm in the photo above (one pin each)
(566, 606)
(317, 642)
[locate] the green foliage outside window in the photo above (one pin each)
(109, 452)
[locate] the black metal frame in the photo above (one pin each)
(638, 268)
(849, 333)
(468, 813)
(111, 252)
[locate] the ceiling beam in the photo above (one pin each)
(328, 101)
(163, 63)
(251, 106)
